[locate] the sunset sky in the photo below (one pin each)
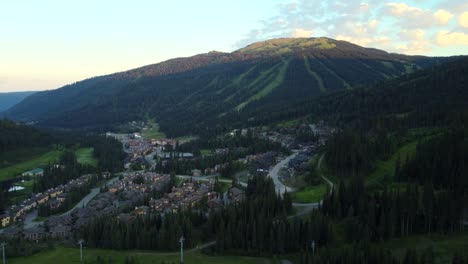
(47, 44)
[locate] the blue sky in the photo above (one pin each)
(47, 44)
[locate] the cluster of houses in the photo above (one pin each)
(285, 139)
(122, 199)
(190, 194)
(121, 196)
(56, 227)
(137, 148)
(260, 163)
(150, 182)
(323, 131)
(300, 163)
(53, 198)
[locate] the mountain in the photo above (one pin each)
(437, 96)
(189, 95)
(7, 100)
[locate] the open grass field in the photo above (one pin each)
(387, 167)
(72, 255)
(289, 123)
(309, 194)
(206, 152)
(153, 131)
(85, 156)
(38, 160)
(444, 246)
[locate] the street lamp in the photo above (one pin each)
(81, 249)
(3, 244)
(181, 241)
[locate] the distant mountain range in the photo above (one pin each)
(7, 100)
(210, 91)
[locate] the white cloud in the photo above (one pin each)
(301, 33)
(414, 17)
(365, 41)
(364, 7)
(373, 23)
(442, 16)
(463, 19)
(401, 9)
(395, 26)
(414, 42)
(446, 38)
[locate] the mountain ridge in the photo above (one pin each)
(201, 87)
(8, 100)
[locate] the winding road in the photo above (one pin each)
(274, 174)
(29, 220)
(150, 159)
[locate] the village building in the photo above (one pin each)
(5, 217)
(35, 233)
(33, 172)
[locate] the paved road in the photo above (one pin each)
(29, 220)
(305, 208)
(279, 186)
(150, 159)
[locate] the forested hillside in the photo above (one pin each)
(7, 100)
(15, 136)
(214, 90)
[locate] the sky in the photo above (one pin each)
(50, 43)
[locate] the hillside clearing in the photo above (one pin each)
(34, 162)
(85, 156)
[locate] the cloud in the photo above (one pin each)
(364, 41)
(401, 9)
(301, 33)
(442, 16)
(414, 42)
(446, 38)
(463, 19)
(414, 17)
(454, 6)
(396, 26)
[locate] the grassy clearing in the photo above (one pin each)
(13, 157)
(72, 255)
(270, 87)
(332, 72)
(387, 168)
(273, 80)
(388, 65)
(444, 246)
(206, 152)
(315, 75)
(39, 160)
(309, 194)
(289, 123)
(185, 139)
(153, 131)
(85, 156)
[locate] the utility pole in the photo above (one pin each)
(81, 249)
(181, 241)
(3, 244)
